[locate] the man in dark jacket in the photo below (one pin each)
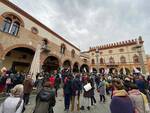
(28, 85)
(76, 90)
(67, 92)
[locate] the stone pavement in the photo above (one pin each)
(59, 107)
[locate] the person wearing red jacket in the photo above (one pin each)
(52, 80)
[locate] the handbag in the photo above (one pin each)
(87, 87)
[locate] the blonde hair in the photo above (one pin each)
(17, 90)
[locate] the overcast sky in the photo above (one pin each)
(93, 22)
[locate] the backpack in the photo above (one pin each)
(44, 95)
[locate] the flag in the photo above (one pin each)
(85, 70)
(124, 70)
(35, 65)
(136, 70)
(106, 71)
(91, 70)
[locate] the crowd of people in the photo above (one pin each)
(128, 93)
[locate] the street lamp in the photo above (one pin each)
(97, 56)
(139, 50)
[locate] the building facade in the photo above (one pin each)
(20, 34)
(117, 57)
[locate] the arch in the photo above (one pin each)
(44, 58)
(94, 70)
(111, 60)
(19, 59)
(84, 68)
(16, 46)
(122, 59)
(73, 53)
(50, 64)
(113, 70)
(93, 61)
(62, 48)
(67, 64)
(76, 67)
(8, 14)
(102, 70)
(125, 71)
(135, 59)
(102, 61)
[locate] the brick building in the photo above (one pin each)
(119, 56)
(20, 34)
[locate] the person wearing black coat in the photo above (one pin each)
(45, 99)
(67, 92)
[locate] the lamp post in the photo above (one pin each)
(97, 56)
(139, 50)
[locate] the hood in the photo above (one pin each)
(120, 93)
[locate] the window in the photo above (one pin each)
(110, 51)
(102, 61)
(93, 61)
(11, 24)
(62, 49)
(73, 53)
(6, 25)
(122, 59)
(135, 59)
(111, 60)
(85, 60)
(15, 28)
(92, 54)
(101, 53)
(34, 30)
(121, 50)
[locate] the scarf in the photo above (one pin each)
(137, 92)
(120, 93)
(145, 102)
(134, 92)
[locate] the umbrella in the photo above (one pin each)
(35, 66)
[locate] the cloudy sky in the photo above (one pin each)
(93, 22)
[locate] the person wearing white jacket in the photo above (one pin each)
(14, 103)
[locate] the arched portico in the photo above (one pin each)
(84, 68)
(50, 64)
(18, 58)
(76, 67)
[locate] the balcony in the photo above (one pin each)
(45, 48)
